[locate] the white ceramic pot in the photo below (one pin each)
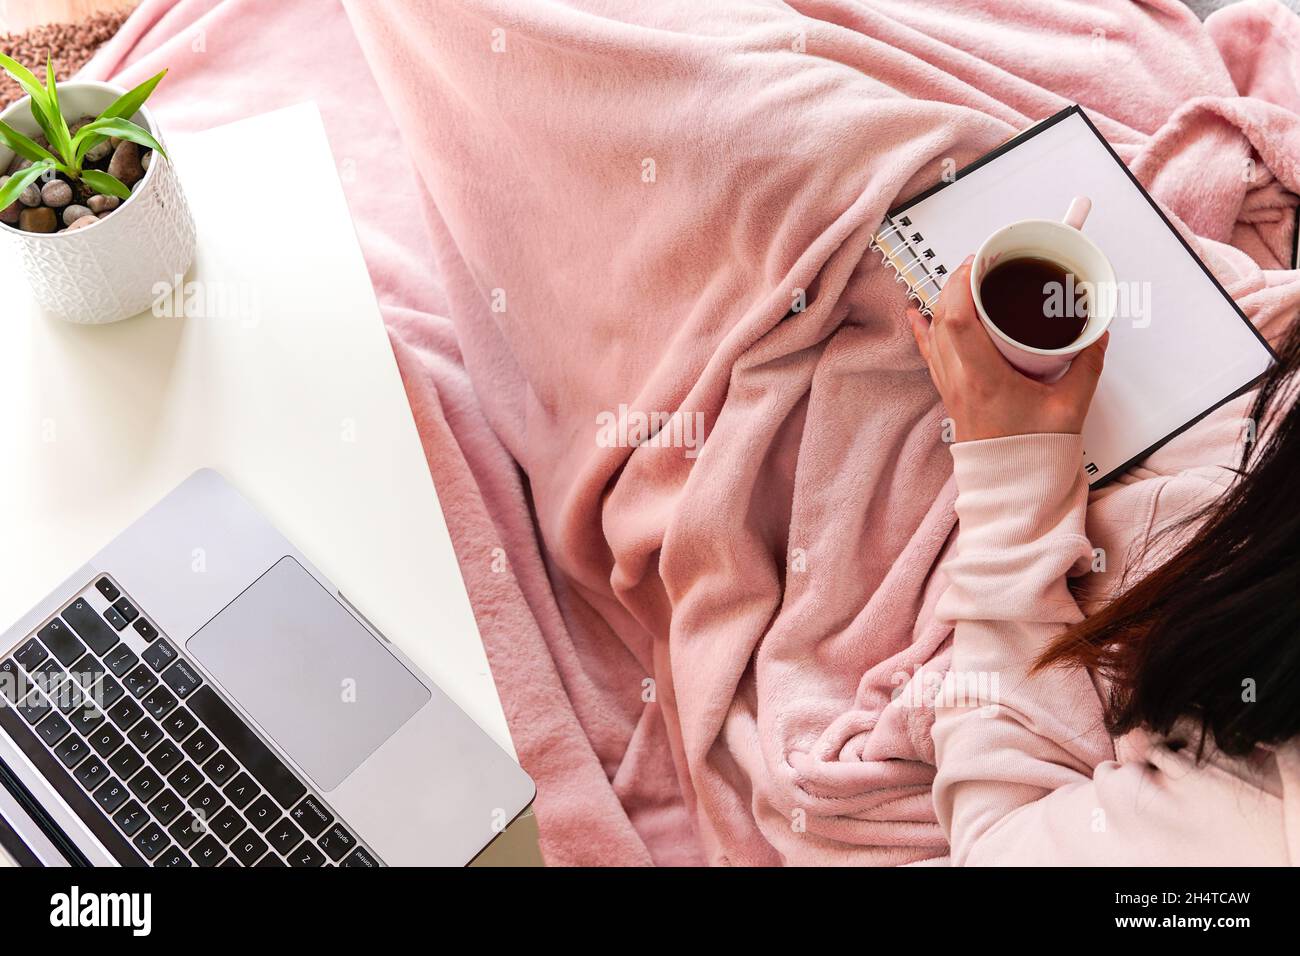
(114, 268)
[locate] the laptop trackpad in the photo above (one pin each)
(318, 682)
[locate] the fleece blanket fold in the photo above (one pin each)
(649, 215)
(691, 461)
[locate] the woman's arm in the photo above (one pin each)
(1025, 770)
(1024, 776)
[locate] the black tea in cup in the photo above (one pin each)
(1035, 302)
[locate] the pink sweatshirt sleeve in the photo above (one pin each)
(1026, 772)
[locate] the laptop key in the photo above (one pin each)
(172, 857)
(125, 608)
(31, 655)
(125, 762)
(131, 817)
(53, 729)
(271, 860)
(121, 660)
(208, 852)
(159, 702)
(49, 677)
(71, 698)
(182, 678)
(165, 756)
(88, 671)
(307, 855)
(145, 735)
(106, 587)
(87, 720)
(336, 842)
(220, 768)
(90, 626)
(71, 751)
(159, 655)
(263, 813)
(185, 778)
(311, 816)
(91, 773)
(207, 800)
(107, 692)
(34, 707)
(241, 790)
(228, 824)
(117, 620)
(14, 685)
(139, 681)
(125, 713)
(61, 642)
(360, 857)
(180, 723)
(284, 836)
(186, 829)
(111, 795)
(151, 841)
(265, 767)
(249, 848)
(105, 739)
(166, 807)
(145, 629)
(146, 784)
(200, 746)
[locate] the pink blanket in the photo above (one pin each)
(629, 200)
(700, 640)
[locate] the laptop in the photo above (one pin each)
(198, 694)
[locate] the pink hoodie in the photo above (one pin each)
(1022, 777)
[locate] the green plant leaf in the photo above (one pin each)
(24, 147)
(20, 180)
(61, 138)
(104, 183)
(89, 134)
(40, 99)
(130, 102)
(24, 77)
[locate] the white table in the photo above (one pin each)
(293, 394)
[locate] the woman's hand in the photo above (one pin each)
(984, 394)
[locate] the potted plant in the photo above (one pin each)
(90, 200)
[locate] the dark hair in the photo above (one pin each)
(1224, 610)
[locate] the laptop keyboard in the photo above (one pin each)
(156, 763)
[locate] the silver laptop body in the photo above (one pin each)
(199, 694)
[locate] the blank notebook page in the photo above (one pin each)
(1191, 352)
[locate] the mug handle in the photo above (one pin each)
(1078, 211)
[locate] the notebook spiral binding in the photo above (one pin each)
(911, 261)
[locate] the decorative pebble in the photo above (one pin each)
(115, 142)
(101, 204)
(41, 219)
(83, 222)
(75, 212)
(31, 196)
(18, 165)
(125, 164)
(56, 193)
(146, 159)
(99, 151)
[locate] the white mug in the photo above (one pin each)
(1064, 244)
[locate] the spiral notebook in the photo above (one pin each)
(1182, 348)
